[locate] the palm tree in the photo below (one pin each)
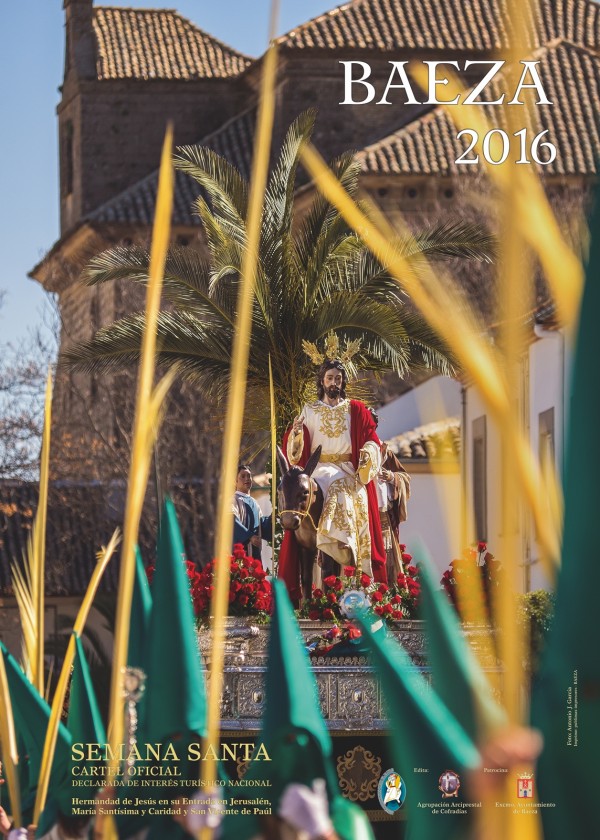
(313, 277)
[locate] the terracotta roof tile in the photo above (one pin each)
(159, 44)
(136, 204)
(571, 78)
(435, 441)
(441, 25)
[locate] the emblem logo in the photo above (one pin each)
(353, 603)
(391, 791)
(525, 786)
(449, 784)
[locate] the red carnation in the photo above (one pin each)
(377, 596)
(388, 609)
(383, 588)
(349, 571)
(412, 570)
(328, 614)
(332, 598)
(243, 573)
(406, 557)
(396, 599)
(365, 580)
(378, 610)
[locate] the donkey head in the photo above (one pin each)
(294, 492)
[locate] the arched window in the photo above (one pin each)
(67, 158)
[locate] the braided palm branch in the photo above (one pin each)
(313, 276)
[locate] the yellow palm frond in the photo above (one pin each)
(103, 558)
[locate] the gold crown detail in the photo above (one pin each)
(331, 349)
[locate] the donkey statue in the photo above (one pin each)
(300, 502)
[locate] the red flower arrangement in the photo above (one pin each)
(393, 602)
(475, 596)
(249, 590)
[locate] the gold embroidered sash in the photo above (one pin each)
(335, 459)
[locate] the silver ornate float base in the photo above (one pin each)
(349, 693)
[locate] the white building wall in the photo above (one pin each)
(427, 403)
(475, 409)
(434, 508)
(547, 389)
(434, 516)
(546, 377)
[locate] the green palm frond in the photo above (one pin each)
(187, 281)
(227, 190)
(118, 263)
(465, 240)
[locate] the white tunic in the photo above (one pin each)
(343, 531)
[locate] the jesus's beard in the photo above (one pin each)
(333, 392)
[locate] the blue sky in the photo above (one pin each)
(31, 61)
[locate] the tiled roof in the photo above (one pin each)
(441, 25)
(435, 441)
(571, 79)
(136, 204)
(428, 145)
(158, 44)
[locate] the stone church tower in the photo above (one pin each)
(127, 73)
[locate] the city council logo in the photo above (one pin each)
(391, 791)
(525, 786)
(449, 784)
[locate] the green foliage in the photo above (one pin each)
(313, 276)
(536, 611)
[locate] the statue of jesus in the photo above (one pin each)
(349, 530)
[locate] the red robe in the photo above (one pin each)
(362, 429)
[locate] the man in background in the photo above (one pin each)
(250, 527)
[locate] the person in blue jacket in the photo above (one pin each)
(250, 527)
